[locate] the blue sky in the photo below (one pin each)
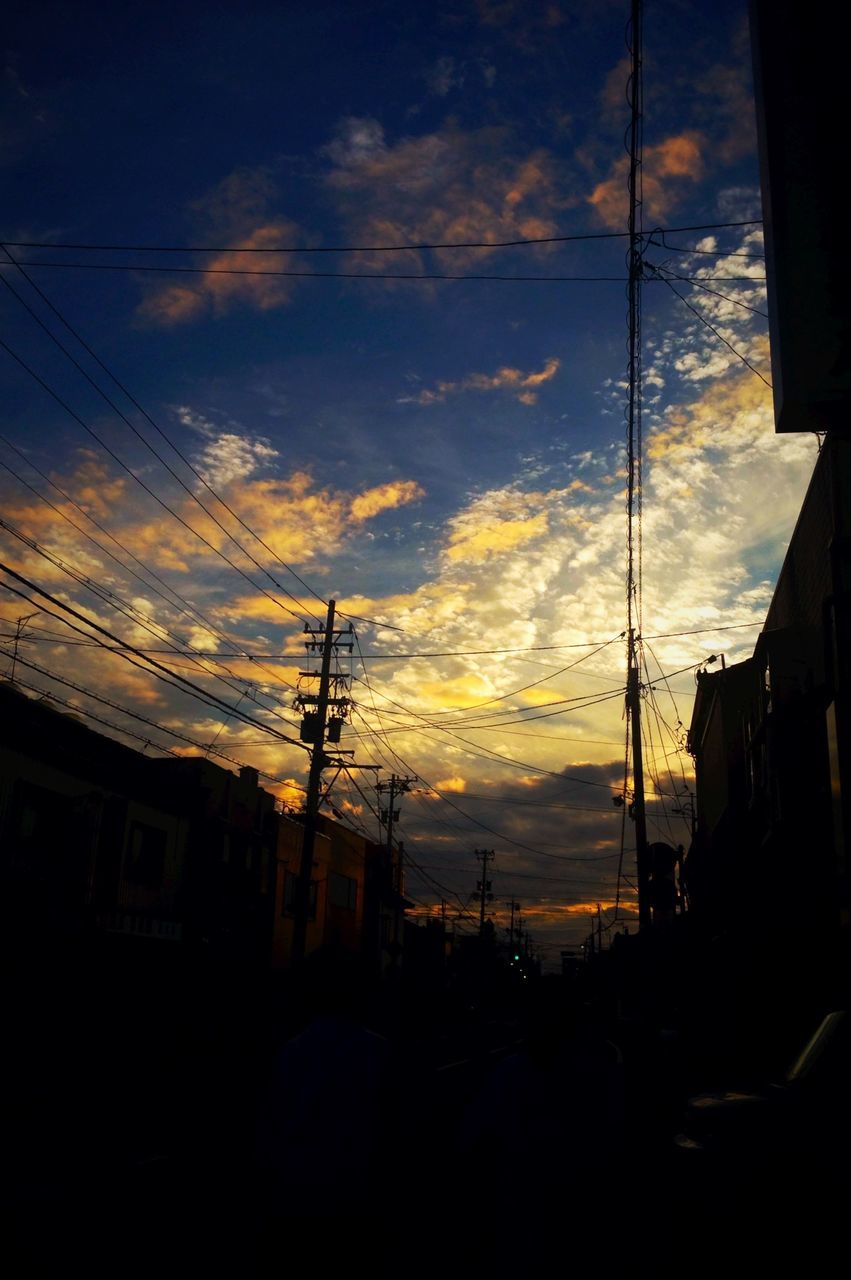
(445, 457)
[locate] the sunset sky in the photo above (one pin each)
(443, 457)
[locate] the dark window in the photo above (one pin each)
(146, 855)
(342, 891)
(288, 907)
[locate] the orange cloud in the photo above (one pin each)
(521, 385)
(666, 166)
(238, 212)
(451, 784)
(385, 497)
(494, 539)
(178, 304)
(613, 95)
(448, 186)
(739, 398)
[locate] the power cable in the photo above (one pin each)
(141, 267)
(139, 618)
(155, 668)
(709, 326)
(178, 602)
(154, 724)
(391, 248)
(670, 275)
(138, 434)
(160, 501)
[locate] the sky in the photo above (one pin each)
(201, 444)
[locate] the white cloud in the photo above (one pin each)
(226, 455)
(359, 139)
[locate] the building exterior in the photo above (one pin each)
(97, 839)
(355, 903)
(767, 873)
(100, 841)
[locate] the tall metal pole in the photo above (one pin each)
(634, 448)
(638, 810)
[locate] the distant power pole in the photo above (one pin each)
(515, 906)
(395, 787)
(484, 886)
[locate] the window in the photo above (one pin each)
(288, 905)
(342, 891)
(146, 855)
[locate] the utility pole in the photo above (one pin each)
(637, 809)
(22, 622)
(515, 906)
(484, 886)
(314, 729)
(395, 787)
(634, 456)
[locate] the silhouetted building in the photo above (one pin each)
(354, 905)
(800, 80)
(98, 839)
(767, 872)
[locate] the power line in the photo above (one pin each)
(180, 602)
(168, 441)
(160, 501)
(469, 818)
(130, 611)
(215, 654)
(375, 248)
(146, 442)
(136, 615)
(711, 327)
(344, 275)
(524, 688)
(715, 292)
(679, 248)
(109, 702)
(155, 668)
(492, 755)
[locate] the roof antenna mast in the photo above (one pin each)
(633, 455)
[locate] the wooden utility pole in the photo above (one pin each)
(395, 787)
(515, 906)
(318, 761)
(484, 886)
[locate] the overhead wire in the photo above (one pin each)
(154, 668)
(245, 687)
(711, 327)
(392, 248)
(186, 461)
(482, 277)
(155, 724)
(177, 601)
(737, 302)
(147, 444)
(476, 822)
